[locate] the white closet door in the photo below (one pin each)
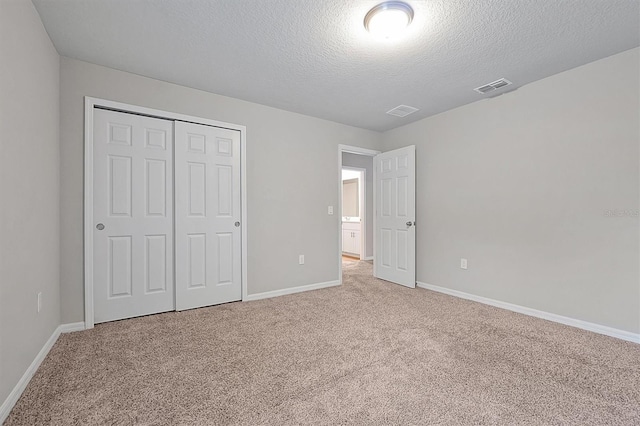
(395, 189)
(208, 238)
(133, 215)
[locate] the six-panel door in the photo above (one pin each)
(133, 215)
(208, 214)
(395, 244)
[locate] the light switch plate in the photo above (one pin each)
(330, 210)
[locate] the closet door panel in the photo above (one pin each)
(208, 214)
(133, 215)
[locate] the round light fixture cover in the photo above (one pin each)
(389, 19)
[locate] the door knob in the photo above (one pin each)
(100, 226)
(237, 224)
(409, 223)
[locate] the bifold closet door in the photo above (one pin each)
(133, 215)
(208, 214)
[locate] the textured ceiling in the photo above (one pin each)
(315, 57)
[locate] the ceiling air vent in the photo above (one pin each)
(493, 86)
(402, 110)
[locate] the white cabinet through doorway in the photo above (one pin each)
(351, 237)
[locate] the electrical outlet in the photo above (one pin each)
(463, 263)
(330, 210)
(301, 259)
(39, 301)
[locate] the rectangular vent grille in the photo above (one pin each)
(493, 86)
(402, 110)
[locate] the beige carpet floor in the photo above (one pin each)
(367, 352)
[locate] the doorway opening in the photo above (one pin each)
(356, 206)
(354, 235)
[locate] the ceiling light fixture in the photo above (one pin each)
(388, 19)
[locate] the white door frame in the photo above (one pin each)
(360, 151)
(362, 182)
(90, 104)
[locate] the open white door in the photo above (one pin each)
(395, 213)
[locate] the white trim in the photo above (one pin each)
(243, 216)
(71, 327)
(584, 325)
(368, 258)
(357, 150)
(363, 213)
(123, 107)
(89, 105)
(293, 290)
(360, 151)
(375, 214)
(16, 392)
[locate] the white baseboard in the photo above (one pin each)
(71, 327)
(584, 325)
(285, 291)
(368, 258)
(15, 394)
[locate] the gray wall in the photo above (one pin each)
(538, 188)
(289, 157)
(522, 185)
(364, 162)
(29, 189)
(350, 198)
